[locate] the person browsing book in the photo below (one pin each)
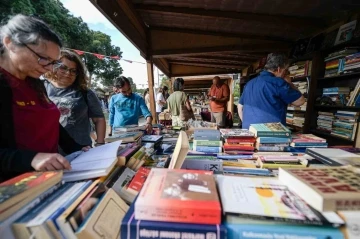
(29, 124)
(176, 100)
(67, 87)
(265, 98)
(219, 95)
(125, 108)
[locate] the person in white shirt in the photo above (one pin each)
(160, 100)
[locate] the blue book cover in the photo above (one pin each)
(132, 228)
(273, 140)
(242, 228)
(208, 149)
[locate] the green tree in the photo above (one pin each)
(74, 32)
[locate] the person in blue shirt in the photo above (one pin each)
(125, 107)
(266, 97)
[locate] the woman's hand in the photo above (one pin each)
(49, 162)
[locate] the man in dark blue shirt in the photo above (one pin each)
(265, 98)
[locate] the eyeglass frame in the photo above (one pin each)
(59, 65)
(54, 62)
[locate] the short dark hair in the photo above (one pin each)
(275, 60)
(121, 81)
(179, 84)
(165, 88)
(24, 30)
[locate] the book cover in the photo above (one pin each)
(138, 180)
(104, 221)
(141, 229)
(307, 138)
(352, 220)
(327, 188)
(272, 140)
(236, 133)
(270, 130)
(152, 138)
(334, 157)
(244, 228)
(269, 199)
(26, 187)
(203, 164)
(188, 196)
(207, 143)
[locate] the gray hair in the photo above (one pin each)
(26, 30)
(275, 60)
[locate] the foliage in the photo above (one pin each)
(166, 82)
(74, 32)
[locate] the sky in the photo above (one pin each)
(98, 22)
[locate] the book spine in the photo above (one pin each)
(273, 134)
(151, 212)
(144, 230)
(251, 231)
(207, 149)
(210, 165)
(322, 158)
(207, 143)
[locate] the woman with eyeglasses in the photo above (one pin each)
(29, 124)
(67, 87)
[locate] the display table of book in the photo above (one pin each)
(209, 184)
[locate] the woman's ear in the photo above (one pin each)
(8, 43)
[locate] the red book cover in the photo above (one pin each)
(240, 140)
(26, 185)
(188, 196)
(139, 179)
(237, 147)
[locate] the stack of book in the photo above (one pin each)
(295, 118)
(338, 95)
(271, 136)
(272, 208)
(237, 140)
(300, 69)
(334, 62)
(184, 203)
(345, 124)
(302, 86)
(352, 63)
(325, 121)
(128, 134)
(207, 141)
(308, 141)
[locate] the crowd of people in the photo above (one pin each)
(48, 109)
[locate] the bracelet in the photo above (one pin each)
(99, 143)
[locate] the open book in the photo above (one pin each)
(96, 162)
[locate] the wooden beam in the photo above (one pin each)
(208, 60)
(246, 48)
(119, 18)
(150, 73)
(224, 34)
(279, 20)
(208, 64)
(225, 57)
(182, 70)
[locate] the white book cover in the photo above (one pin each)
(264, 198)
(339, 156)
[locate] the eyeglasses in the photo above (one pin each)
(43, 61)
(64, 69)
